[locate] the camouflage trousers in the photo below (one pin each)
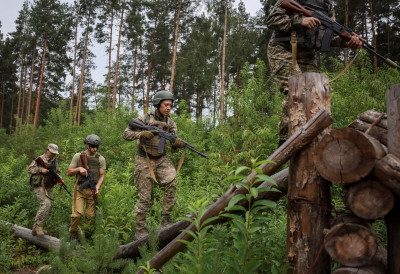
(78, 209)
(281, 63)
(44, 205)
(165, 173)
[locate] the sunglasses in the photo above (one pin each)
(93, 146)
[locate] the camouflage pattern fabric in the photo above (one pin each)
(44, 206)
(165, 172)
(282, 68)
(78, 210)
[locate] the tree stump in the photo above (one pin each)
(392, 219)
(346, 155)
(308, 193)
(351, 241)
(369, 199)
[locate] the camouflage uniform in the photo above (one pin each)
(80, 198)
(162, 166)
(43, 186)
(280, 51)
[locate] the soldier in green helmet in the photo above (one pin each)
(97, 166)
(148, 161)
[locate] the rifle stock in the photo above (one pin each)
(137, 124)
(344, 32)
(53, 173)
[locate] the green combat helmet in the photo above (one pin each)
(162, 95)
(93, 139)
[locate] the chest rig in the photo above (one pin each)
(94, 166)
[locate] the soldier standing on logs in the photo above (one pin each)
(150, 162)
(96, 166)
(292, 48)
(43, 184)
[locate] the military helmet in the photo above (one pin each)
(162, 95)
(93, 139)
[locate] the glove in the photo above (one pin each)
(146, 134)
(178, 143)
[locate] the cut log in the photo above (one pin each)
(167, 234)
(44, 241)
(294, 144)
(387, 170)
(378, 265)
(369, 199)
(377, 132)
(309, 198)
(351, 241)
(346, 155)
(371, 116)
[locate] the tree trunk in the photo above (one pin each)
(12, 111)
(351, 241)
(23, 92)
(82, 79)
(146, 106)
(134, 81)
(347, 155)
(222, 97)
(109, 62)
(371, 13)
(20, 92)
(308, 193)
(28, 107)
(35, 121)
(387, 170)
(392, 219)
(293, 145)
(117, 59)
(369, 199)
(346, 24)
(71, 105)
(171, 85)
(2, 104)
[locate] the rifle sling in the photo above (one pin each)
(44, 188)
(346, 68)
(181, 162)
(293, 42)
(150, 166)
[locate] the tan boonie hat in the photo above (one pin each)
(53, 148)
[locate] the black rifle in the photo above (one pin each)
(137, 124)
(331, 27)
(53, 173)
(89, 182)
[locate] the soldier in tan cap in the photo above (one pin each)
(43, 184)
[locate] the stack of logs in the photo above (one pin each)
(357, 158)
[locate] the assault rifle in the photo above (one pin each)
(331, 27)
(89, 179)
(53, 173)
(137, 124)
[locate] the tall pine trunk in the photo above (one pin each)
(109, 62)
(134, 81)
(29, 106)
(2, 103)
(35, 121)
(12, 111)
(153, 42)
(117, 60)
(222, 97)
(171, 85)
(71, 105)
(82, 78)
(371, 12)
(19, 93)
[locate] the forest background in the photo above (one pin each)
(213, 58)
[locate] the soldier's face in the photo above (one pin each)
(165, 107)
(92, 149)
(49, 154)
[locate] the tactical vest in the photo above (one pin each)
(94, 166)
(151, 146)
(49, 181)
(307, 38)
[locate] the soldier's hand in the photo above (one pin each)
(44, 170)
(146, 134)
(178, 143)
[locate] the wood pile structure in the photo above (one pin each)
(363, 158)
